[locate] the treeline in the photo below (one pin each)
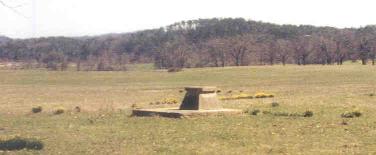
(198, 43)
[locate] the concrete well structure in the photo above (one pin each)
(198, 101)
(200, 98)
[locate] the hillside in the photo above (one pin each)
(4, 40)
(199, 43)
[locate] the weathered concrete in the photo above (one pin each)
(198, 101)
(176, 113)
(200, 98)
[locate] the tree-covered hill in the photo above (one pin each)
(4, 40)
(198, 43)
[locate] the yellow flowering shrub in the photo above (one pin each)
(235, 97)
(263, 95)
(165, 101)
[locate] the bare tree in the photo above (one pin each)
(283, 49)
(344, 45)
(173, 54)
(325, 50)
(303, 47)
(271, 50)
(239, 47)
(372, 50)
(217, 51)
(364, 50)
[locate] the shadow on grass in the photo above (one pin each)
(18, 143)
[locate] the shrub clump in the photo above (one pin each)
(19, 143)
(77, 109)
(37, 109)
(308, 113)
(165, 101)
(351, 114)
(275, 104)
(59, 111)
(263, 95)
(255, 112)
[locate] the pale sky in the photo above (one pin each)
(95, 17)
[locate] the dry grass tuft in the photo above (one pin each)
(255, 112)
(235, 97)
(246, 96)
(351, 114)
(77, 109)
(59, 111)
(37, 109)
(307, 113)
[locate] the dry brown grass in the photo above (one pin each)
(103, 126)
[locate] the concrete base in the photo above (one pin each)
(176, 113)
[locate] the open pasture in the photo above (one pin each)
(104, 125)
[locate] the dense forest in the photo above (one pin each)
(213, 42)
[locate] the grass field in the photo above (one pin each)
(104, 126)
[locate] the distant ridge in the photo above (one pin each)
(4, 39)
(203, 42)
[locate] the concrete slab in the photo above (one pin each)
(176, 113)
